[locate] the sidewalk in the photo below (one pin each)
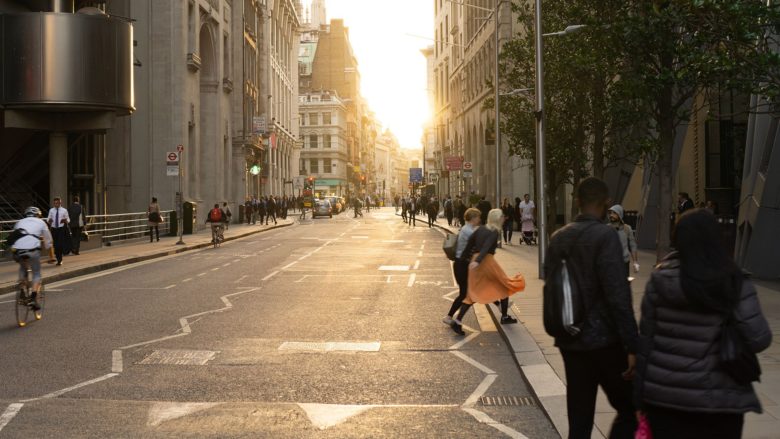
(542, 364)
(119, 254)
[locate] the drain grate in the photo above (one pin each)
(515, 401)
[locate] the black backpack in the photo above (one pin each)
(564, 305)
(14, 236)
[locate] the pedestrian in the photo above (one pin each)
(248, 210)
(412, 211)
(681, 384)
(684, 203)
(433, 210)
(487, 281)
(449, 211)
(228, 214)
(460, 268)
(261, 207)
(627, 239)
(602, 353)
(78, 220)
(460, 208)
(484, 206)
(58, 220)
(509, 220)
(396, 201)
(271, 210)
(526, 210)
(155, 218)
(712, 207)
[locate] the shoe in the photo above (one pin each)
(447, 320)
(457, 327)
(508, 320)
(59, 263)
(76, 253)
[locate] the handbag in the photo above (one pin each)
(736, 358)
(155, 217)
(450, 246)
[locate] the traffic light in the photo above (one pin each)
(309, 185)
(255, 169)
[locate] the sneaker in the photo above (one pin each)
(447, 320)
(508, 320)
(457, 327)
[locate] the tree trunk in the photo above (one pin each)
(599, 127)
(665, 172)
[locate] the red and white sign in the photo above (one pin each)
(467, 166)
(180, 149)
(173, 156)
(454, 163)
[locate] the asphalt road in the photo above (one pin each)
(330, 328)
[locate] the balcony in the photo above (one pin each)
(193, 61)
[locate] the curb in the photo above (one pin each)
(135, 259)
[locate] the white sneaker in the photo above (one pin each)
(447, 320)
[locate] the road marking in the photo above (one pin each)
(271, 275)
(71, 388)
(485, 419)
(185, 326)
(473, 362)
(411, 280)
(236, 260)
(156, 340)
(416, 264)
(226, 265)
(189, 279)
(420, 253)
(289, 265)
(241, 278)
(116, 361)
(201, 274)
(324, 416)
(480, 390)
(389, 276)
(393, 241)
(360, 237)
(330, 346)
(467, 339)
(393, 268)
(169, 287)
(166, 411)
(10, 412)
(215, 269)
(422, 247)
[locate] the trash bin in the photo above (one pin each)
(173, 224)
(190, 217)
(241, 214)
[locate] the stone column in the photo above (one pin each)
(58, 166)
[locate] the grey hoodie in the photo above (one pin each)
(626, 234)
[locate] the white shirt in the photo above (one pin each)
(527, 210)
(63, 214)
(36, 229)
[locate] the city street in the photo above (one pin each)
(328, 328)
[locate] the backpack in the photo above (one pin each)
(564, 306)
(450, 246)
(215, 215)
(14, 236)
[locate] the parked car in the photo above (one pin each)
(322, 208)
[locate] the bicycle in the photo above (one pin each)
(24, 301)
(217, 235)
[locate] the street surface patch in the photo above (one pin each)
(179, 357)
(329, 346)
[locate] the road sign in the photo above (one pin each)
(172, 171)
(454, 162)
(172, 158)
(467, 166)
(415, 175)
(180, 149)
(466, 174)
(258, 125)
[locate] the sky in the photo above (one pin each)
(392, 69)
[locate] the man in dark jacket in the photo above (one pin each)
(77, 221)
(484, 207)
(603, 352)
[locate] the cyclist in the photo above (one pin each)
(216, 217)
(35, 232)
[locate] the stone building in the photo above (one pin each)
(323, 117)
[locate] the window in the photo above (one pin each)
(326, 118)
(314, 166)
(326, 141)
(313, 141)
(313, 119)
(302, 119)
(327, 166)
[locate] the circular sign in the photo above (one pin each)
(173, 157)
(180, 148)
(467, 166)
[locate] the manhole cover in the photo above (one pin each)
(179, 357)
(506, 401)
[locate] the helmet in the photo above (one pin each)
(32, 211)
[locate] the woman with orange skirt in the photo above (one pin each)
(487, 281)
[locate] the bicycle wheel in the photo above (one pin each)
(22, 308)
(41, 300)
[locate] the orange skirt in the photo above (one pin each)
(488, 282)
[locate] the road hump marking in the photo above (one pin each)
(167, 411)
(324, 416)
(393, 268)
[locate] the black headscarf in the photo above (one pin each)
(708, 275)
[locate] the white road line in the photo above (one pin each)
(423, 241)
(185, 326)
(388, 278)
(461, 343)
(480, 390)
(169, 287)
(473, 362)
(416, 264)
(422, 247)
(392, 241)
(116, 361)
(411, 280)
(11, 301)
(360, 237)
(236, 260)
(9, 414)
(71, 388)
(201, 274)
(289, 265)
(189, 279)
(156, 340)
(241, 278)
(226, 265)
(215, 269)
(485, 419)
(271, 275)
(420, 253)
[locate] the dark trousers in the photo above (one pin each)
(675, 424)
(75, 233)
(508, 229)
(152, 231)
(585, 372)
(431, 219)
(461, 270)
(60, 237)
(412, 219)
(449, 218)
(271, 215)
(403, 215)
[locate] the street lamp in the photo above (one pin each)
(541, 165)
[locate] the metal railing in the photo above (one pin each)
(110, 228)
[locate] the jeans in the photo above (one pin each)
(508, 230)
(461, 270)
(585, 372)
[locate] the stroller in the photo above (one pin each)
(529, 237)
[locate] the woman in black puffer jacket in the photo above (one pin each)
(680, 384)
